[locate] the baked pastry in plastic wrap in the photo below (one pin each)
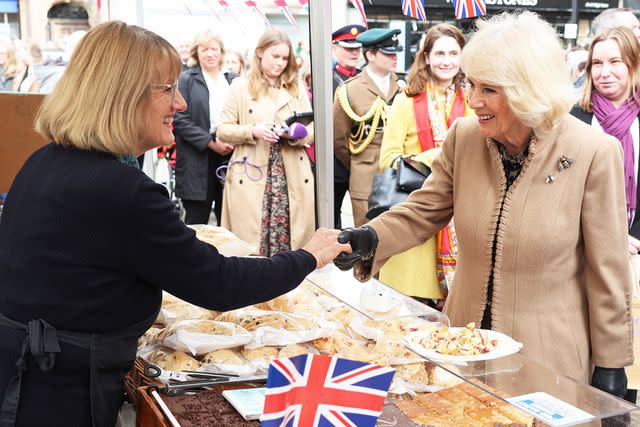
(227, 361)
(203, 336)
(276, 328)
(174, 361)
(175, 310)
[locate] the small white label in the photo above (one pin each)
(549, 409)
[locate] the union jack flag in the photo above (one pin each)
(358, 5)
(287, 13)
(469, 8)
(414, 9)
(320, 391)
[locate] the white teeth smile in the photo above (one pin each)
(167, 120)
(485, 116)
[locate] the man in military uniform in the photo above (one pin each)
(346, 51)
(360, 109)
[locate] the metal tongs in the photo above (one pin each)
(154, 371)
(179, 382)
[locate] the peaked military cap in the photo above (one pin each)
(382, 39)
(346, 36)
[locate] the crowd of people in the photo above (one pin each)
(525, 224)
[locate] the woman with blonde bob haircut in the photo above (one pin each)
(83, 229)
(539, 208)
(269, 191)
(87, 109)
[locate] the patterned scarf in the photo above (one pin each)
(275, 233)
(434, 114)
(617, 122)
(128, 159)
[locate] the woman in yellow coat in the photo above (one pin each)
(420, 117)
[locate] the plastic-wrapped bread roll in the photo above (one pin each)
(293, 350)
(262, 353)
(224, 356)
(177, 361)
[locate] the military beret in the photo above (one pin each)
(382, 39)
(346, 36)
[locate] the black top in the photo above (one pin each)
(512, 166)
(87, 243)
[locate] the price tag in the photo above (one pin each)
(549, 409)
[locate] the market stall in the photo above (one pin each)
(444, 376)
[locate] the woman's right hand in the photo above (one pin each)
(265, 132)
(324, 246)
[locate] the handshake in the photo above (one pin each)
(345, 248)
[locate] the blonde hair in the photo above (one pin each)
(521, 53)
(630, 55)
(12, 65)
(204, 38)
(238, 55)
(420, 72)
(102, 100)
(289, 78)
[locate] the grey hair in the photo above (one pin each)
(606, 19)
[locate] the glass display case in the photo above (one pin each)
(550, 397)
(373, 299)
(528, 385)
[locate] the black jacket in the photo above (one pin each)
(87, 243)
(191, 130)
(634, 230)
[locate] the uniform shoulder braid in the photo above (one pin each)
(364, 126)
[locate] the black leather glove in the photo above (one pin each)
(364, 242)
(611, 380)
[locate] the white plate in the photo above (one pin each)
(506, 346)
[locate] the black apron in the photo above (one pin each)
(111, 355)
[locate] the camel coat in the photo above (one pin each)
(561, 276)
(243, 193)
(362, 92)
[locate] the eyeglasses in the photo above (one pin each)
(168, 88)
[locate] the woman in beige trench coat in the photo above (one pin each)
(540, 211)
(255, 206)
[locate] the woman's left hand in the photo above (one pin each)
(634, 245)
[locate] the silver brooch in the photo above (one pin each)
(564, 162)
(550, 179)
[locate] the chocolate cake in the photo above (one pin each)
(205, 409)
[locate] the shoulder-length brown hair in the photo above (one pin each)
(258, 85)
(102, 101)
(420, 72)
(630, 52)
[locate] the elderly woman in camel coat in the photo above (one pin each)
(539, 204)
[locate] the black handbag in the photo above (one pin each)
(393, 186)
